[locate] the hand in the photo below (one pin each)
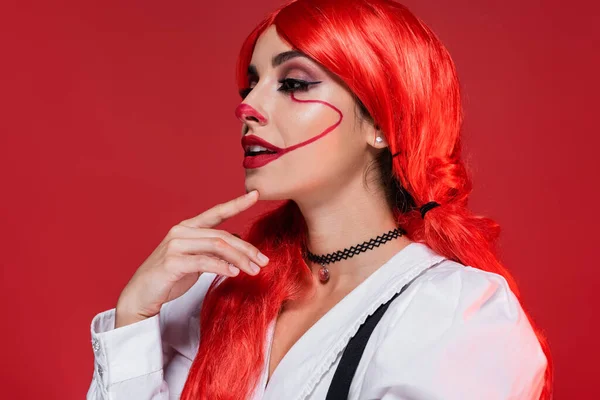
(189, 249)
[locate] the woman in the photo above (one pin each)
(378, 282)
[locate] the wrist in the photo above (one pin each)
(124, 316)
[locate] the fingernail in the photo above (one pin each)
(254, 267)
(263, 259)
(234, 270)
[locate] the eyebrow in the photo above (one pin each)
(278, 60)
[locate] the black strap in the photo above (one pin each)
(342, 378)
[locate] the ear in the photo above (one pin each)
(376, 138)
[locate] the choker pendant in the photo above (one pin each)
(347, 253)
(323, 273)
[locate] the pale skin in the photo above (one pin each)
(325, 179)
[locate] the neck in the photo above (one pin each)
(348, 218)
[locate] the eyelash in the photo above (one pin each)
(287, 86)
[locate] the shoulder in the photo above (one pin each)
(461, 333)
(461, 302)
(460, 294)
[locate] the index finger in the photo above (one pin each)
(219, 213)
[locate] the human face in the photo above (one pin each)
(307, 115)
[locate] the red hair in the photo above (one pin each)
(405, 80)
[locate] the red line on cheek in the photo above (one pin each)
(320, 135)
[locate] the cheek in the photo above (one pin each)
(311, 118)
(304, 118)
(314, 131)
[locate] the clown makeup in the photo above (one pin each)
(256, 158)
(296, 134)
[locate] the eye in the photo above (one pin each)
(288, 85)
(294, 85)
(252, 81)
(245, 92)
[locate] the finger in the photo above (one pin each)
(182, 265)
(213, 246)
(248, 248)
(221, 212)
(180, 231)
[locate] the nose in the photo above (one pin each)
(247, 114)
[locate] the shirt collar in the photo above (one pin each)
(312, 355)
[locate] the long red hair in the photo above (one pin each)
(405, 80)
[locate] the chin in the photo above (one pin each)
(266, 192)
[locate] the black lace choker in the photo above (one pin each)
(347, 253)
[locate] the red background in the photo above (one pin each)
(117, 122)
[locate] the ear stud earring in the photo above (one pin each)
(379, 139)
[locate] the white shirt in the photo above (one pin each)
(456, 333)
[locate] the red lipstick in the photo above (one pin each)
(253, 140)
(260, 159)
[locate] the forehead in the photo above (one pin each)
(267, 45)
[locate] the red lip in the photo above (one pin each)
(255, 140)
(261, 159)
